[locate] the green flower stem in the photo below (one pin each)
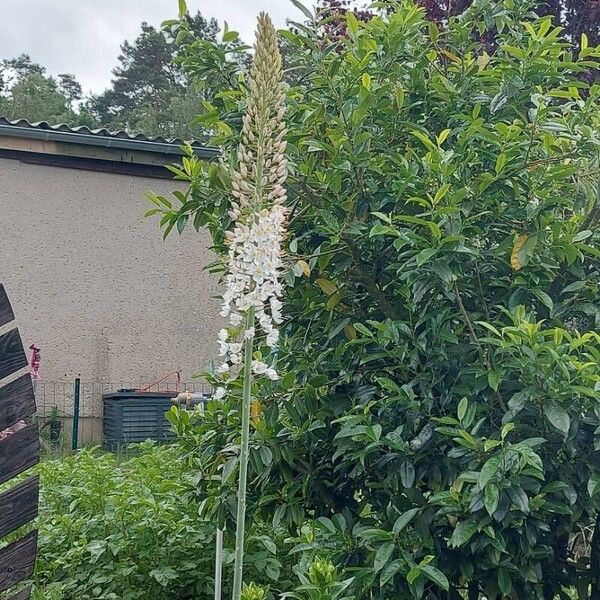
(218, 564)
(244, 451)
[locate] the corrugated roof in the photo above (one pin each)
(102, 136)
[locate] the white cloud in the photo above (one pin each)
(83, 36)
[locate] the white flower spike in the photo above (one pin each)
(255, 263)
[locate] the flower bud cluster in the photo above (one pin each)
(254, 266)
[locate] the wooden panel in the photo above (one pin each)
(17, 560)
(24, 594)
(6, 313)
(18, 452)
(19, 505)
(17, 401)
(12, 355)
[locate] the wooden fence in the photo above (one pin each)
(19, 450)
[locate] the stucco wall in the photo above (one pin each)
(93, 284)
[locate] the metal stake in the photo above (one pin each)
(76, 394)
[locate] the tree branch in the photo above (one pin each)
(465, 316)
(388, 308)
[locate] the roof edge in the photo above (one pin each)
(135, 169)
(89, 139)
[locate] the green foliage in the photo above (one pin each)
(253, 592)
(441, 404)
(29, 93)
(111, 529)
(128, 527)
(321, 582)
(577, 17)
(149, 93)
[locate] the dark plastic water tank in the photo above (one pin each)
(131, 416)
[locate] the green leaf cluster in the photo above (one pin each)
(115, 527)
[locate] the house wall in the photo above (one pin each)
(92, 282)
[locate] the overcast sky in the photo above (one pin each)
(83, 36)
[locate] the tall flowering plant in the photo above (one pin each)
(252, 298)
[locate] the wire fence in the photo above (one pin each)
(56, 407)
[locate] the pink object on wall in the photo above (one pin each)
(34, 363)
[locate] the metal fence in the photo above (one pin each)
(56, 407)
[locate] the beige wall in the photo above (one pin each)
(93, 284)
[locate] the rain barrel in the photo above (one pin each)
(132, 416)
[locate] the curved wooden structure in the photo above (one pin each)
(19, 450)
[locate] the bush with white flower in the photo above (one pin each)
(437, 411)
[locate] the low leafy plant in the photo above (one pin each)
(253, 592)
(128, 527)
(320, 582)
(119, 529)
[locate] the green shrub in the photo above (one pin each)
(121, 529)
(442, 390)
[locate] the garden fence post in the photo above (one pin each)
(76, 394)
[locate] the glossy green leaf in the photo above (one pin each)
(463, 532)
(519, 498)
(488, 471)
(436, 576)
(462, 408)
(504, 581)
(557, 416)
(594, 485)
(302, 9)
(383, 554)
(491, 496)
(390, 571)
(404, 519)
(407, 474)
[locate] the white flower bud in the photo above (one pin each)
(259, 367)
(272, 374)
